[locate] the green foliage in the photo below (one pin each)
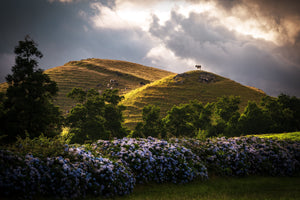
(179, 122)
(227, 107)
(113, 114)
(152, 124)
(96, 117)
(254, 120)
(42, 146)
(284, 112)
(187, 119)
(77, 94)
(27, 107)
(222, 118)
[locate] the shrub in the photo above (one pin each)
(154, 160)
(108, 168)
(74, 175)
(247, 155)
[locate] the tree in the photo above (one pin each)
(188, 119)
(254, 120)
(28, 107)
(201, 115)
(113, 114)
(179, 121)
(152, 124)
(227, 107)
(284, 112)
(86, 119)
(227, 112)
(96, 116)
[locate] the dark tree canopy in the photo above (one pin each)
(95, 116)
(152, 124)
(188, 119)
(27, 107)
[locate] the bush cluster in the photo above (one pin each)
(108, 168)
(74, 175)
(241, 156)
(155, 160)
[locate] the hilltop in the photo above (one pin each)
(181, 88)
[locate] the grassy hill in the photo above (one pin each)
(143, 85)
(100, 74)
(181, 88)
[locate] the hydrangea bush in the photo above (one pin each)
(108, 168)
(154, 160)
(247, 155)
(71, 177)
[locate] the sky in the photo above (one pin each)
(254, 42)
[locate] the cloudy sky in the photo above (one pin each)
(254, 42)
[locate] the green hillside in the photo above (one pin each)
(143, 85)
(100, 74)
(181, 88)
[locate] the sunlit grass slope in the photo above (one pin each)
(181, 88)
(100, 74)
(293, 136)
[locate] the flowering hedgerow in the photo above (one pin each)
(72, 177)
(112, 167)
(247, 155)
(154, 160)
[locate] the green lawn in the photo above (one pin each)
(222, 188)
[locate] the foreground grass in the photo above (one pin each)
(221, 188)
(216, 188)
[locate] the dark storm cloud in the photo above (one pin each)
(63, 33)
(244, 59)
(280, 15)
(281, 8)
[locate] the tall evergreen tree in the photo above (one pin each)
(27, 107)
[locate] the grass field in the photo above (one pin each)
(221, 188)
(216, 188)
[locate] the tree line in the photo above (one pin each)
(223, 117)
(27, 110)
